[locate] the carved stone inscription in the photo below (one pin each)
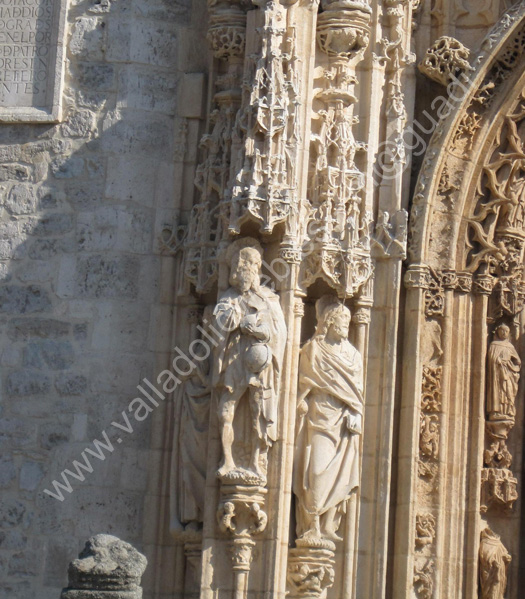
(31, 44)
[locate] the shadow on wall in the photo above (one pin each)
(81, 202)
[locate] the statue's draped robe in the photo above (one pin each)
(327, 456)
(494, 560)
(230, 372)
(193, 442)
(503, 378)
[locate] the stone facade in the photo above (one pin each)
(261, 301)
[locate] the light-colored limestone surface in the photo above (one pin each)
(269, 255)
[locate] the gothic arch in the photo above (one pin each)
(463, 281)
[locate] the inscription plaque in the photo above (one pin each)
(31, 59)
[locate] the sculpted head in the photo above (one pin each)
(245, 272)
(502, 332)
(333, 318)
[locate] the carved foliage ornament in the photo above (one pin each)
(445, 60)
(425, 530)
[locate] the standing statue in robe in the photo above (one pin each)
(504, 366)
(330, 409)
(248, 362)
(494, 562)
(189, 468)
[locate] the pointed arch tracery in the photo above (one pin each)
(465, 284)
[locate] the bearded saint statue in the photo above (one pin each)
(504, 366)
(330, 408)
(248, 362)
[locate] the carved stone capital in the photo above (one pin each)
(240, 516)
(464, 282)
(310, 571)
(227, 31)
(483, 284)
(449, 279)
(343, 29)
(361, 316)
(417, 276)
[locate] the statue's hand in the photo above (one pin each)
(302, 408)
(355, 423)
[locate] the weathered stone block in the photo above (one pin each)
(7, 472)
(96, 76)
(88, 39)
(138, 88)
(22, 199)
(25, 563)
(71, 384)
(44, 249)
(13, 513)
(49, 354)
(27, 382)
(103, 276)
(12, 540)
(31, 473)
(79, 123)
(14, 172)
(43, 328)
(49, 225)
(15, 299)
(67, 167)
(54, 434)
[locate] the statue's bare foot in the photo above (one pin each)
(225, 469)
(256, 469)
(333, 536)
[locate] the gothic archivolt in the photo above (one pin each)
(282, 465)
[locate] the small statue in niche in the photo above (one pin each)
(190, 468)
(429, 435)
(504, 366)
(494, 562)
(248, 361)
(330, 408)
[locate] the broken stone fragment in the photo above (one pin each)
(107, 568)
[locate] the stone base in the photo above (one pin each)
(93, 594)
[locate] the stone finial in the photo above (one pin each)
(107, 568)
(445, 60)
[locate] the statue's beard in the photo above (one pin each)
(341, 332)
(243, 280)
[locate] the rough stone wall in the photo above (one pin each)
(81, 305)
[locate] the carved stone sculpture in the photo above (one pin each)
(429, 436)
(499, 489)
(249, 359)
(425, 530)
(424, 580)
(445, 60)
(107, 568)
(330, 407)
(494, 561)
(190, 470)
(503, 376)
